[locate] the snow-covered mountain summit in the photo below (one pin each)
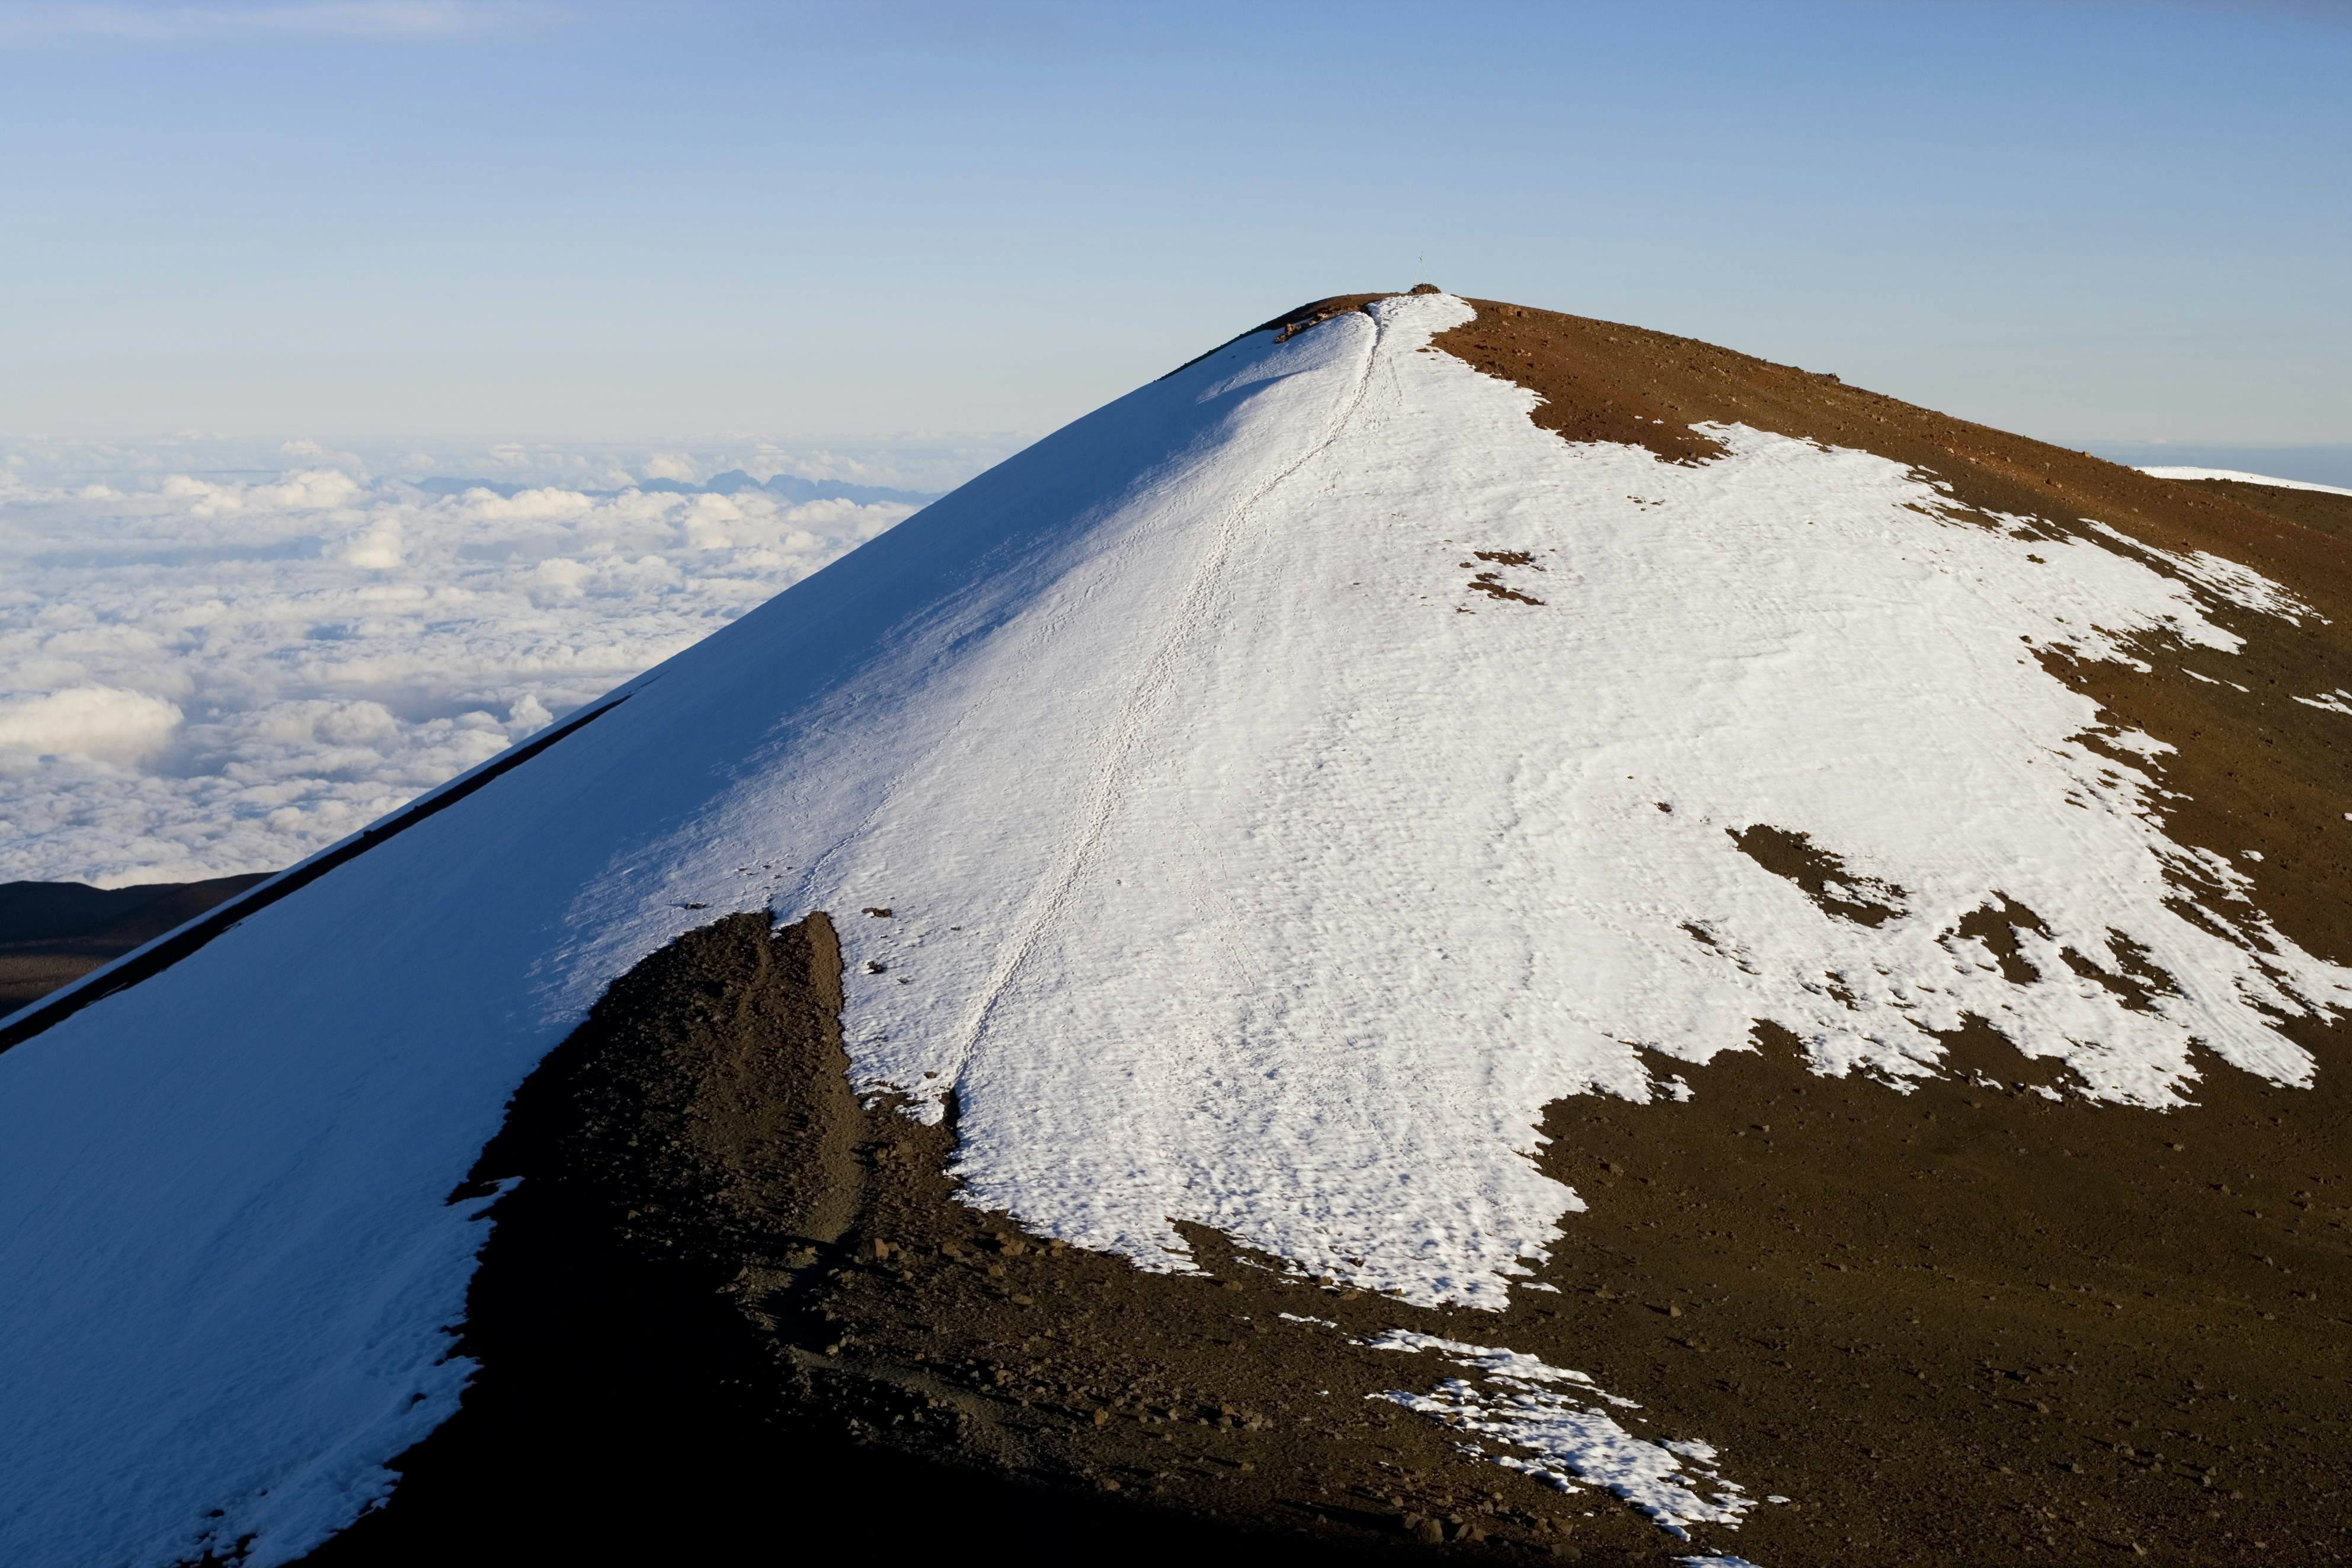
(1281, 784)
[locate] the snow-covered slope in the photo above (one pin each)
(1253, 860)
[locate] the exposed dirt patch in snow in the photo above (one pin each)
(1864, 900)
(1491, 585)
(1491, 582)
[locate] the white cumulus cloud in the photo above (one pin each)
(216, 660)
(87, 723)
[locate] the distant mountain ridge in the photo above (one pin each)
(52, 933)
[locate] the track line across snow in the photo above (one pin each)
(1130, 733)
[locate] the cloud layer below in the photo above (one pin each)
(207, 669)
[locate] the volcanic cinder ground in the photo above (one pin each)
(1453, 928)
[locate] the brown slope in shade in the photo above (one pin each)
(2260, 771)
(2329, 514)
(692, 1349)
(42, 911)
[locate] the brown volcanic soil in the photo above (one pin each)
(1972, 1325)
(1968, 1324)
(2313, 509)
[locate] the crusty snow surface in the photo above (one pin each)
(2244, 477)
(1245, 869)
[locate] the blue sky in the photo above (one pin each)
(2097, 223)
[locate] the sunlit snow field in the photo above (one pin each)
(219, 657)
